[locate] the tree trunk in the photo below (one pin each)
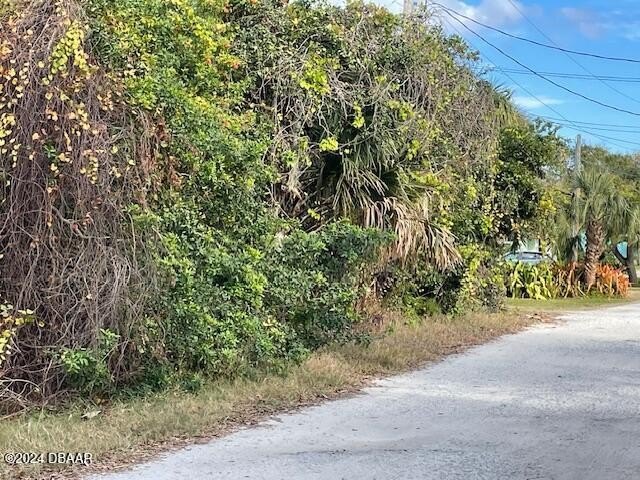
(595, 248)
(631, 264)
(629, 261)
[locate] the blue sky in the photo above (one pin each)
(603, 27)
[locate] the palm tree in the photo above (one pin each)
(567, 237)
(375, 187)
(599, 208)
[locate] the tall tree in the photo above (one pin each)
(624, 229)
(528, 155)
(598, 206)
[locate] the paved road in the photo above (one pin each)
(553, 402)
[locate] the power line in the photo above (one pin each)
(540, 44)
(552, 82)
(601, 124)
(531, 22)
(606, 129)
(605, 139)
(576, 76)
(590, 132)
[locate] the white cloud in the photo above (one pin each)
(494, 12)
(588, 22)
(628, 29)
(631, 32)
(593, 24)
(532, 103)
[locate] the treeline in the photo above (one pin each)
(196, 188)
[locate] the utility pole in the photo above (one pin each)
(575, 226)
(578, 154)
(410, 6)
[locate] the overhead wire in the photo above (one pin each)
(604, 129)
(567, 122)
(577, 76)
(601, 124)
(533, 24)
(541, 44)
(452, 15)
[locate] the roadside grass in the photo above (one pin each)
(558, 305)
(129, 431)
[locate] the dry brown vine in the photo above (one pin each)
(71, 161)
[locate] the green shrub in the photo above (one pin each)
(233, 308)
(531, 281)
(316, 278)
(88, 369)
(207, 223)
(475, 283)
(235, 291)
(180, 137)
(423, 307)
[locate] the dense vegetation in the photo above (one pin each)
(196, 188)
(595, 231)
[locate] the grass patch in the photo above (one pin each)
(558, 305)
(133, 430)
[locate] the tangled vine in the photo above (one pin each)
(71, 161)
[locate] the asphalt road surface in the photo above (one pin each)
(554, 402)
